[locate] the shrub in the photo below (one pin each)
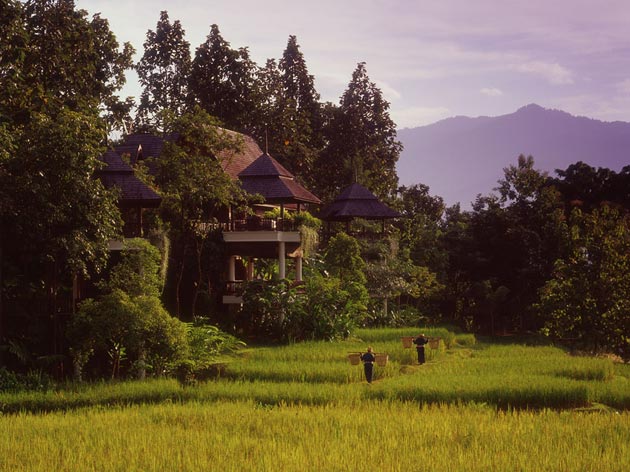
(8, 380)
(34, 380)
(118, 325)
(323, 308)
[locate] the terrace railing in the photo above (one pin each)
(260, 224)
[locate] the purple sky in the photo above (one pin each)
(431, 58)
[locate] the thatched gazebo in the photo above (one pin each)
(355, 201)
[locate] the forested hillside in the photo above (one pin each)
(461, 157)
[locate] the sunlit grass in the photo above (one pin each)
(473, 406)
(506, 376)
(230, 436)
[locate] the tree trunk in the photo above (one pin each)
(142, 365)
(1, 299)
(178, 285)
(199, 252)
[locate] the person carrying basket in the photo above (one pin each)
(420, 341)
(368, 364)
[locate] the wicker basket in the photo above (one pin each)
(407, 341)
(381, 359)
(434, 343)
(354, 359)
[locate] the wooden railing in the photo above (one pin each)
(260, 224)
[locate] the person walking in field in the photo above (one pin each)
(368, 364)
(420, 341)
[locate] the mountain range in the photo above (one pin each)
(461, 157)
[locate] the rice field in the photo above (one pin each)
(304, 407)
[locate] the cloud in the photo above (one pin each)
(595, 105)
(491, 92)
(554, 73)
(418, 116)
(389, 92)
(624, 87)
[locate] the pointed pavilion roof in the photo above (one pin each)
(356, 201)
(267, 177)
(133, 192)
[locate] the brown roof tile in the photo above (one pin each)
(119, 174)
(356, 201)
(265, 176)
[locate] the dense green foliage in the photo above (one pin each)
(163, 72)
(56, 219)
(222, 82)
(322, 308)
(460, 371)
(195, 189)
(588, 298)
(541, 254)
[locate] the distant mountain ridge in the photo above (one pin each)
(461, 157)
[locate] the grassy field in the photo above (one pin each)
(473, 406)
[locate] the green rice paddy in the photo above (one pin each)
(473, 406)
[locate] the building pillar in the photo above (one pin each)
(282, 270)
(250, 268)
(232, 269)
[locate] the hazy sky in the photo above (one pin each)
(431, 58)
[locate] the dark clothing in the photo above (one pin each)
(368, 365)
(420, 341)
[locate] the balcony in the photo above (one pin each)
(256, 223)
(261, 230)
(233, 294)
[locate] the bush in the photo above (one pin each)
(207, 343)
(34, 380)
(320, 309)
(119, 326)
(327, 311)
(395, 318)
(8, 380)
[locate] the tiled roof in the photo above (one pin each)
(258, 172)
(143, 146)
(266, 177)
(114, 163)
(265, 165)
(278, 190)
(357, 202)
(133, 191)
(234, 163)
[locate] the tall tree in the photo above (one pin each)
(163, 72)
(269, 120)
(223, 82)
(517, 235)
(362, 141)
(300, 138)
(59, 220)
(588, 298)
(53, 56)
(586, 187)
(195, 189)
(421, 226)
(59, 71)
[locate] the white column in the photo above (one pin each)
(298, 268)
(282, 270)
(232, 269)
